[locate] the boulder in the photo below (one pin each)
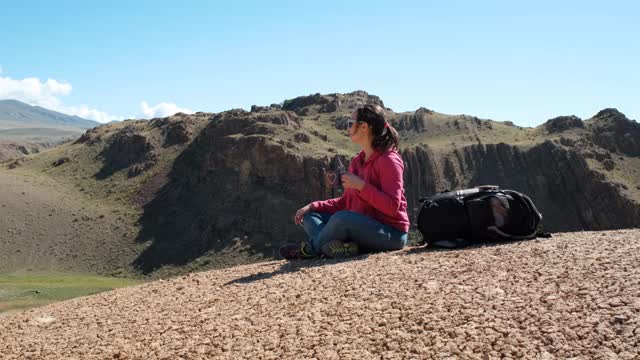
(331, 106)
(341, 122)
(301, 137)
(60, 161)
(256, 108)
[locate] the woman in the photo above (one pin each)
(371, 215)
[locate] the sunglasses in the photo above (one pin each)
(350, 123)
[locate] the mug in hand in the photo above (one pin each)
(332, 178)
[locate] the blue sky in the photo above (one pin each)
(492, 59)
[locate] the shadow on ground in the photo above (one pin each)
(293, 266)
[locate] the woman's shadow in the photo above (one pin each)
(293, 266)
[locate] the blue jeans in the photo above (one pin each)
(370, 234)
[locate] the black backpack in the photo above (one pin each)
(455, 219)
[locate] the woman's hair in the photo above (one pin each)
(384, 135)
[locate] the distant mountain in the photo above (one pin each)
(15, 114)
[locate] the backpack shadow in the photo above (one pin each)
(420, 249)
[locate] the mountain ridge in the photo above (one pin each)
(14, 114)
(23, 126)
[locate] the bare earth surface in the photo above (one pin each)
(576, 295)
(45, 226)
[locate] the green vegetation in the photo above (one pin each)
(20, 291)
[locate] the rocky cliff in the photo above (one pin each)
(570, 195)
(239, 180)
(245, 174)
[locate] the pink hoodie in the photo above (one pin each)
(382, 197)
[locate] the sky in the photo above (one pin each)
(500, 60)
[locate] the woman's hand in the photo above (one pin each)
(351, 181)
(297, 219)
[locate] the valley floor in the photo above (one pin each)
(572, 296)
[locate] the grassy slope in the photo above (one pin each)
(19, 291)
(68, 220)
(46, 225)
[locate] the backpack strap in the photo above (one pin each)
(497, 234)
(462, 195)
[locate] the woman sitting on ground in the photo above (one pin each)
(371, 215)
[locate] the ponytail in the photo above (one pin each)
(385, 137)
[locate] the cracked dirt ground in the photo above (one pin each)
(576, 295)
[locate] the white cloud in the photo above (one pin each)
(85, 112)
(46, 94)
(162, 109)
(33, 91)
(56, 87)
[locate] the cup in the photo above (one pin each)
(332, 178)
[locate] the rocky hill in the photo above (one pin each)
(212, 190)
(573, 296)
(14, 149)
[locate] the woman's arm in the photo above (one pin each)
(329, 206)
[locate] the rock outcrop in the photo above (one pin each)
(177, 129)
(300, 102)
(127, 149)
(136, 145)
(303, 105)
(431, 123)
(562, 123)
(613, 131)
(331, 106)
(14, 149)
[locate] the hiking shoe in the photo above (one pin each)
(296, 251)
(340, 249)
